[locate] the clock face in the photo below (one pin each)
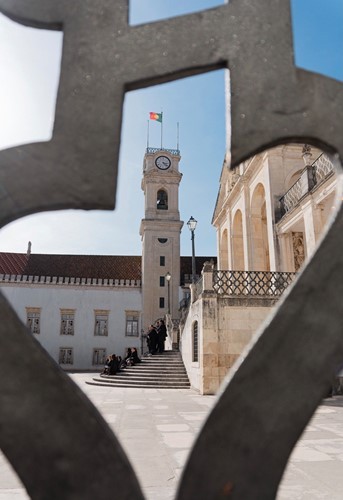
(162, 162)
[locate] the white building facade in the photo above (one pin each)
(78, 324)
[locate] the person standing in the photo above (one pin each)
(152, 340)
(161, 335)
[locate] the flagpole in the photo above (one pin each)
(161, 129)
(177, 136)
(147, 139)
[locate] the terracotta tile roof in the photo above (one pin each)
(86, 266)
(12, 263)
(73, 266)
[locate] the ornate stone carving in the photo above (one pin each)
(298, 249)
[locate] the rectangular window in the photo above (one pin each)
(162, 260)
(65, 356)
(101, 323)
(161, 302)
(67, 322)
(195, 343)
(99, 356)
(162, 281)
(33, 319)
(132, 320)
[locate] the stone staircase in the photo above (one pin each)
(160, 371)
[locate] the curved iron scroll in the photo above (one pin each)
(247, 441)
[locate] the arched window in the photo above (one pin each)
(162, 200)
(195, 339)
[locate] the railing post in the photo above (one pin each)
(207, 276)
(310, 177)
(192, 288)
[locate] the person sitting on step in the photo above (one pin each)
(121, 363)
(128, 358)
(135, 358)
(106, 370)
(114, 365)
(128, 355)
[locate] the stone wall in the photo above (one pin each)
(225, 326)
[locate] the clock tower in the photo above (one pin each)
(160, 232)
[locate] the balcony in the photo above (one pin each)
(312, 175)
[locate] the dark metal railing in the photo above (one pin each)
(198, 287)
(187, 278)
(252, 283)
(184, 303)
(311, 176)
(156, 150)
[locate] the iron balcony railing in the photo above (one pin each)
(311, 176)
(322, 168)
(252, 283)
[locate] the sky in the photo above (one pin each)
(29, 73)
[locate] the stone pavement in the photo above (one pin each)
(157, 428)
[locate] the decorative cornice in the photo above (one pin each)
(56, 280)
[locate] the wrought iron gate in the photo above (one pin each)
(243, 447)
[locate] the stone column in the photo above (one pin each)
(247, 243)
(313, 225)
(286, 252)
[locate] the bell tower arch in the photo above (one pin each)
(160, 233)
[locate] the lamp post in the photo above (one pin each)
(192, 224)
(168, 278)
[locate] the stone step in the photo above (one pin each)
(166, 353)
(162, 371)
(143, 376)
(115, 378)
(160, 363)
(161, 359)
(163, 355)
(141, 384)
(152, 366)
(166, 371)
(135, 386)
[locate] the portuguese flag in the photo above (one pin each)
(156, 116)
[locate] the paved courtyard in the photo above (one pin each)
(157, 428)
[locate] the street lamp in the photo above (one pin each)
(192, 224)
(168, 278)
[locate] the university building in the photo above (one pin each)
(269, 215)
